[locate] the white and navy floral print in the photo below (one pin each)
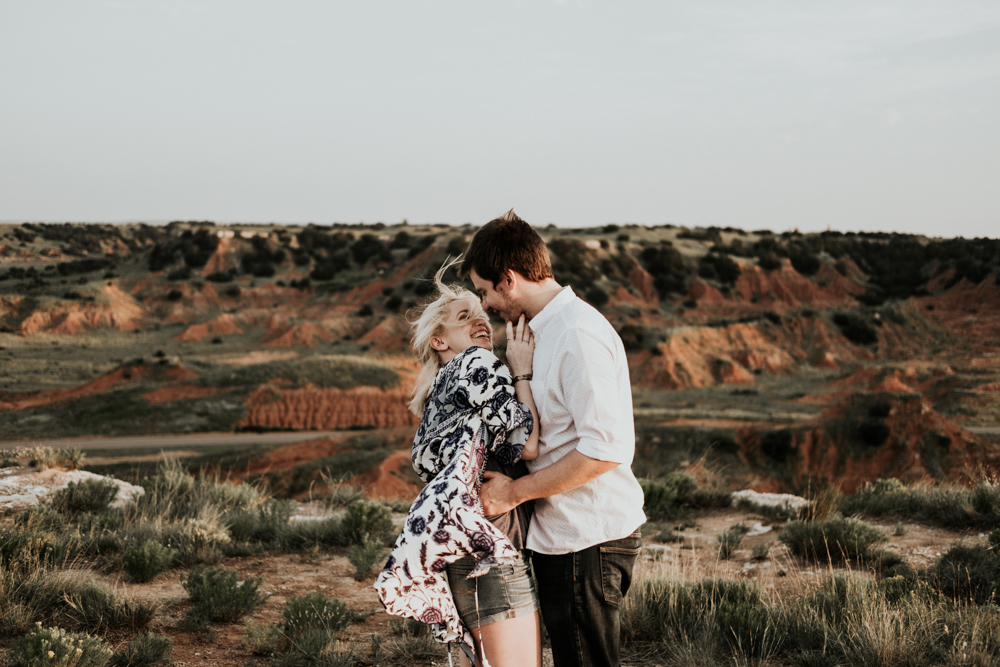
(472, 411)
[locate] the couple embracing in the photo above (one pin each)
(528, 467)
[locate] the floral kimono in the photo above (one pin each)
(472, 411)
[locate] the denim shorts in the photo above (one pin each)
(505, 591)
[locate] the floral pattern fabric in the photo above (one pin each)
(472, 412)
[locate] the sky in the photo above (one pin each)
(877, 115)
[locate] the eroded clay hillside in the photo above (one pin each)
(789, 358)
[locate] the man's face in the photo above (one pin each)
(496, 299)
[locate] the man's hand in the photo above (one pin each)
(497, 493)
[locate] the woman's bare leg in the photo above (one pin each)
(515, 642)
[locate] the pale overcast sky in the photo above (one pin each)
(853, 115)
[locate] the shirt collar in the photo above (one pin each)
(552, 309)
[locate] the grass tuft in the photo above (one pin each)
(144, 651)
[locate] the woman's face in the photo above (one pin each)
(464, 328)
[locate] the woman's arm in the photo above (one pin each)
(520, 352)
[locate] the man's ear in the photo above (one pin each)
(438, 344)
(508, 279)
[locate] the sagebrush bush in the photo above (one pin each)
(144, 651)
(661, 498)
(367, 519)
(41, 518)
(365, 556)
(54, 647)
(967, 574)
(89, 496)
(144, 561)
(262, 524)
(835, 539)
(314, 611)
(219, 595)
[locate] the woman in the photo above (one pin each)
(452, 567)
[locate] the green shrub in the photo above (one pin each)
(717, 612)
(835, 539)
(413, 643)
(262, 524)
(365, 556)
(761, 551)
(841, 594)
(942, 505)
(219, 595)
(657, 608)
(986, 501)
(262, 640)
(144, 651)
(54, 647)
(197, 539)
(661, 498)
(302, 535)
(41, 518)
(658, 500)
(91, 496)
(367, 519)
(967, 574)
(144, 561)
(314, 611)
(729, 540)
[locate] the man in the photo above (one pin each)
(584, 536)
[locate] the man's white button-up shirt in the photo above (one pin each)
(584, 399)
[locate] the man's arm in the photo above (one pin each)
(500, 493)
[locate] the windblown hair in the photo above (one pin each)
(507, 243)
(432, 322)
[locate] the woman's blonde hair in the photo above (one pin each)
(430, 323)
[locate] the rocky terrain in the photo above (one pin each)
(788, 360)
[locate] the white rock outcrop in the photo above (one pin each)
(21, 488)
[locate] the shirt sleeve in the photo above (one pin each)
(588, 377)
(492, 394)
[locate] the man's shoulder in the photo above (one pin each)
(582, 328)
(579, 320)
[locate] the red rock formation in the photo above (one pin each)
(920, 445)
(325, 408)
(304, 334)
(114, 310)
(179, 392)
(223, 325)
(384, 481)
(115, 378)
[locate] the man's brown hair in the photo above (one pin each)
(504, 244)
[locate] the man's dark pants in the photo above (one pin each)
(581, 594)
